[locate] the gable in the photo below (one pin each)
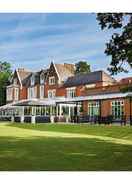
(16, 77)
(52, 73)
(64, 71)
(107, 78)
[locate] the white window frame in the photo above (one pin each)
(117, 108)
(41, 91)
(71, 92)
(52, 80)
(42, 78)
(15, 81)
(94, 108)
(32, 80)
(52, 93)
(16, 94)
(31, 92)
(9, 94)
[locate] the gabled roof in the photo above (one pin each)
(22, 74)
(44, 71)
(87, 78)
(36, 75)
(27, 80)
(63, 71)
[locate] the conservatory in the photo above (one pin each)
(61, 109)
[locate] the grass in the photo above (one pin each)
(61, 147)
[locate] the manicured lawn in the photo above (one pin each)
(65, 147)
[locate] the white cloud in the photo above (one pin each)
(69, 42)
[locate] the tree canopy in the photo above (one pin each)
(119, 46)
(82, 67)
(5, 74)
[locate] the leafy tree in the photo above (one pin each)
(120, 45)
(5, 74)
(82, 67)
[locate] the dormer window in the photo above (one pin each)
(32, 80)
(42, 78)
(51, 80)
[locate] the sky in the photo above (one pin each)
(34, 40)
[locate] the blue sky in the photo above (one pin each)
(34, 40)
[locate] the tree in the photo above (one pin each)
(82, 67)
(120, 45)
(5, 74)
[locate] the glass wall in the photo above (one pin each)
(40, 110)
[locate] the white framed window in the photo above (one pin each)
(93, 108)
(9, 94)
(51, 93)
(51, 80)
(41, 91)
(32, 80)
(16, 93)
(31, 92)
(42, 78)
(15, 81)
(71, 92)
(117, 108)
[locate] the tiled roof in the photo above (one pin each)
(64, 72)
(23, 74)
(82, 79)
(36, 75)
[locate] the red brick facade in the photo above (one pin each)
(106, 85)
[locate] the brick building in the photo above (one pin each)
(57, 91)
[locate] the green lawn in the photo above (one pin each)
(65, 147)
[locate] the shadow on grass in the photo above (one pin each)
(116, 136)
(63, 154)
(98, 130)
